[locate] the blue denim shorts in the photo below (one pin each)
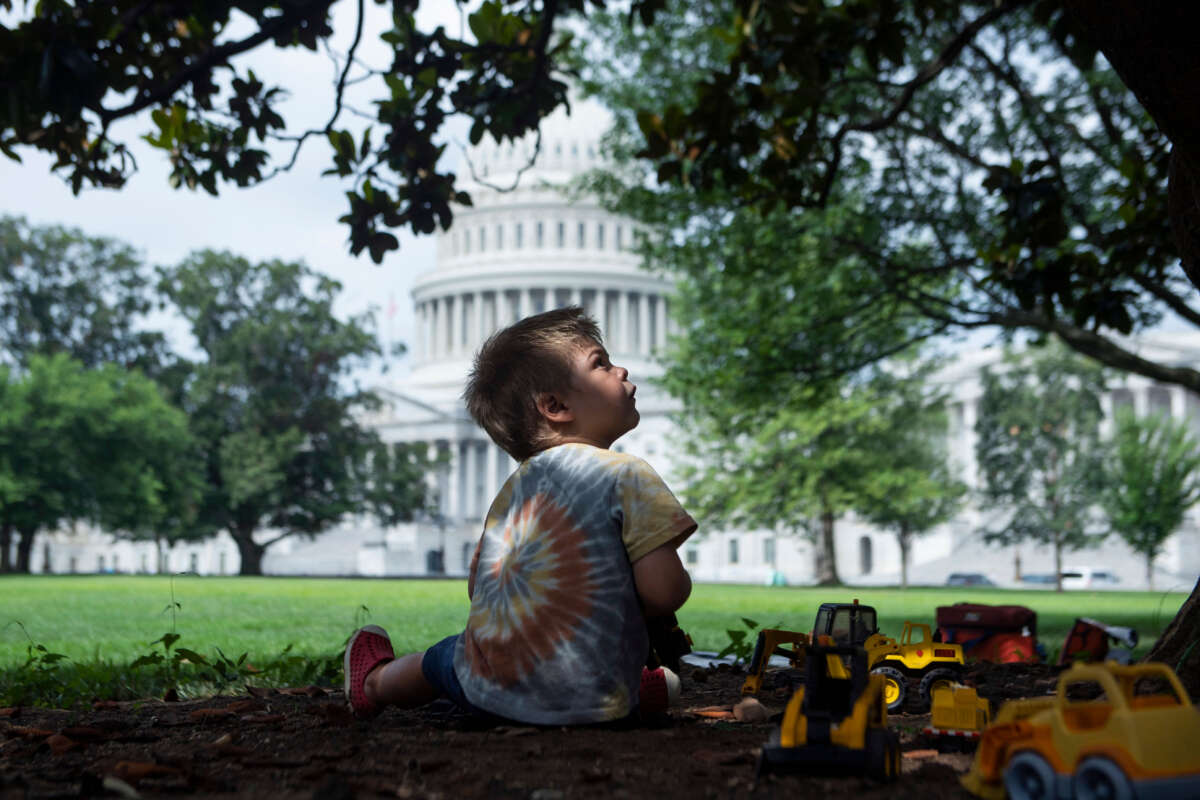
(438, 667)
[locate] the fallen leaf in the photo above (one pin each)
(713, 714)
(134, 771)
(30, 733)
(751, 710)
(201, 714)
(260, 691)
(307, 691)
(226, 739)
(260, 719)
(245, 706)
(12, 711)
(920, 754)
(60, 744)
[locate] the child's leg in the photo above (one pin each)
(400, 683)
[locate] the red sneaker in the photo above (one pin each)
(659, 689)
(367, 649)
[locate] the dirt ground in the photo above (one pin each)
(303, 743)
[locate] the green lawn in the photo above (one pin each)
(114, 618)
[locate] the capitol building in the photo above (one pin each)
(527, 245)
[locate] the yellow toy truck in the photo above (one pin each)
(769, 644)
(1119, 747)
(835, 723)
(913, 666)
(958, 718)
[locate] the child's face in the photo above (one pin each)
(601, 396)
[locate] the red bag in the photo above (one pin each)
(990, 633)
(1085, 642)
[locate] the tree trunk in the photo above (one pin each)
(1150, 572)
(6, 530)
(250, 551)
(1179, 645)
(24, 549)
(826, 557)
(905, 540)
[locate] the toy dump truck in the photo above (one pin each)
(1123, 745)
(835, 723)
(958, 718)
(913, 667)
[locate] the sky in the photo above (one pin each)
(291, 217)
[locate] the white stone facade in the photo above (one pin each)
(525, 246)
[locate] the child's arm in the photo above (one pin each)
(662, 583)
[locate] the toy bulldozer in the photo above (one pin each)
(835, 723)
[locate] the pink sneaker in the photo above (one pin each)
(367, 649)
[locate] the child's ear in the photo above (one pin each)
(551, 407)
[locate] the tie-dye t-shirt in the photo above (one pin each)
(556, 635)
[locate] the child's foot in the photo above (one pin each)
(659, 689)
(368, 648)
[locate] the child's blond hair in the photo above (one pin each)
(516, 365)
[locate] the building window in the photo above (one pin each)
(145, 567)
(100, 564)
(733, 551)
(499, 237)
(574, 148)
(519, 234)
(620, 237)
(561, 239)
(466, 242)
(693, 556)
(482, 238)
(540, 238)
(73, 565)
(582, 236)
(769, 550)
(865, 557)
(600, 236)
(194, 563)
(222, 562)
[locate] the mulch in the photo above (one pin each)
(302, 743)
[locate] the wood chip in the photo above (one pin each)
(60, 744)
(918, 754)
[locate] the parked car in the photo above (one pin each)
(1088, 578)
(1039, 580)
(968, 579)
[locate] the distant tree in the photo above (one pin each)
(62, 291)
(274, 408)
(1039, 451)
(98, 445)
(1151, 479)
(911, 490)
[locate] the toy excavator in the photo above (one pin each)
(835, 723)
(1124, 745)
(911, 667)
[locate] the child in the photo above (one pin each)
(578, 548)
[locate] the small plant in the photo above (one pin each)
(741, 644)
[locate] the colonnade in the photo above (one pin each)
(455, 324)
(474, 472)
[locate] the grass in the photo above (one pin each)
(295, 628)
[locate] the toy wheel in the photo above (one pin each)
(1097, 778)
(935, 679)
(1028, 776)
(895, 689)
(883, 755)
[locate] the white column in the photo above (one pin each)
(1141, 401)
(454, 502)
(471, 510)
(526, 307)
(660, 332)
(435, 334)
(456, 324)
(602, 314)
(492, 465)
(1178, 402)
(644, 345)
(624, 322)
(479, 334)
(576, 296)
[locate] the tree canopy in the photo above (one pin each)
(1151, 479)
(271, 405)
(1039, 450)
